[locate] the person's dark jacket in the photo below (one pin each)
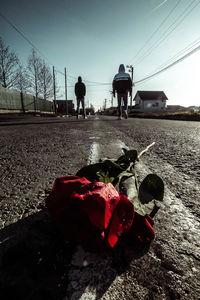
(80, 89)
(122, 82)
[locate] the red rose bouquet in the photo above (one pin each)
(103, 202)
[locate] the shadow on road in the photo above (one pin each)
(34, 258)
(35, 261)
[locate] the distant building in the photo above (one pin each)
(149, 101)
(175, 108)
(62, 106)
(90, 110)
(194, 108)
(110, 111)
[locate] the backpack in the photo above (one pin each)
(122, 85)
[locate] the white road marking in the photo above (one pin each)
(94, 153)
(182, 220)
(93, 272)
(87, 267)
(97, 149)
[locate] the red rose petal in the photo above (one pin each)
(63, 187)
(141, 229)
(73, 222)
(84, 210)
(121, 221)
(100, 204)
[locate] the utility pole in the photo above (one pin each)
(105, 104)
(22, 101)
(66, 92)
(54, 90)
(131, 71)
(111, 98)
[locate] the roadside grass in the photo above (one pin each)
(186, 115)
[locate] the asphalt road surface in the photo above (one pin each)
(36, 262)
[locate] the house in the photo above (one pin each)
(175, 108)
(149, 101)
(194, 108)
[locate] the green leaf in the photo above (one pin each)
(151, 191)
(121, 159)
(104, 177)
(111, 164)
(152, 187)
(106, 171)
(127, 186)
(131, 155)
(124, 150)
(113, 168)
(125, 160)
(112, 179)
(90, 171)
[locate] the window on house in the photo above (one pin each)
(155, 104)
(149, 105)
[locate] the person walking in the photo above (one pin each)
(80, 92)
(122, 84)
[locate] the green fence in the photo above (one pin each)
(14, 100)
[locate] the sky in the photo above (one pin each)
(91, 38)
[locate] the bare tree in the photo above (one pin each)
(22, 82)
(92, 109)
(8, 65)
(46, 81)
(34, 68)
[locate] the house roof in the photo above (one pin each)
(151, 95)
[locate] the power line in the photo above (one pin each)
(167, 32)
(158, 6)
(75, 78)
(22, 34)
(170, 65)
(27, 40)
(72, 86)
(187, 48)
(95, 82)
(62, 73)
(99, 83)
(186, 12)
(38, 50)
(157, 29)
